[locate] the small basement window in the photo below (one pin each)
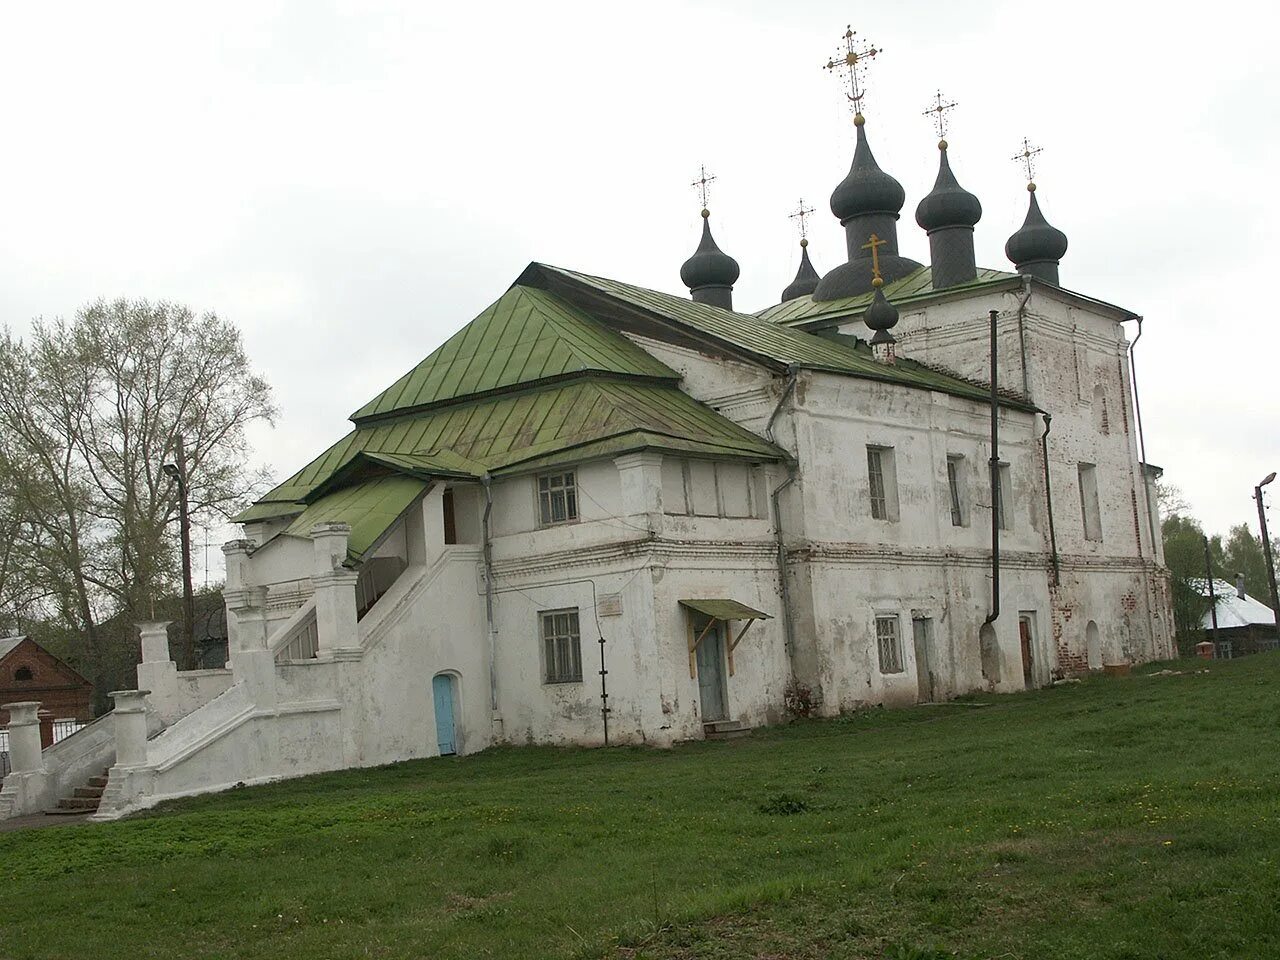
(23, 675)
(557, 498)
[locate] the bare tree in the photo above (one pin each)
(92, 410)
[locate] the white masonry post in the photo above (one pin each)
(130, 715)
(640, 478)
(335, 589)
(157, 672)
(24, 736)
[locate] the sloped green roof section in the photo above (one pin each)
(527, 335)
(369, 508)
(902, 292)
(557, 423)
(269, 510)
(782, 344)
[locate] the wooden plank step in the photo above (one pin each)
(98, 782)
(88, 792)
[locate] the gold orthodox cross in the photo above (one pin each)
(1027, 158)
(938, 111)
(853, 63)
(874, 244)
(801, 216)
(701, 183)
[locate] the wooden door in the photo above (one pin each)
(442, 693)
(1024, 635)
(920, 630)
(711, 675)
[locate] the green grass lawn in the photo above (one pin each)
(1117, 818)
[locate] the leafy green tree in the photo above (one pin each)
(91, 411)
(1184, 554)
(1243, 555)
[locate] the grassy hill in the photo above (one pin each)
(1117, 818)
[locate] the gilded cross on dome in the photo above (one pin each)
(1027, 157)
(938, 110)
(701, 183)
(852, 64)
(874, 244)
(801, 216)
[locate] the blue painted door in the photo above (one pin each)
(442, 691)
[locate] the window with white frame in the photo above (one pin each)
(561, 646)
(889, 643)
(882, 483)
(1089, 505)
(955, 489)
(557, 498)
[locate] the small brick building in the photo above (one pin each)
(30, 672)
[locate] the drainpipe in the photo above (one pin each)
(996, 506)
(787, 631)
(488, 597)
(1022, 337)
(1142, 443)
(1048, 499)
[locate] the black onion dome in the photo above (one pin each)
(1035, 240)
(881, 314)
(948, 204)
(709, 266)
(867, 188)
(807, 278)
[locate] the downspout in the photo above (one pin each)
(1022, 337)
(1048, 499)
(996, 506)
(787, 630)
(488, 597)
(1142, 443)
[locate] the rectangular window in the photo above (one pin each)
(1089, 506)
(557, 498)
(889, 644)
(561, 646)
(882, 483)
(1003, 495)
(954, 481)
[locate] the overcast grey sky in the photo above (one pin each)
(351, 182)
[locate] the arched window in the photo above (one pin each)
(23, 675)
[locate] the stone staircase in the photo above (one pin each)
(83, 800)
(725, 730)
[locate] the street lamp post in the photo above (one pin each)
(178, 471)
(1266, 545)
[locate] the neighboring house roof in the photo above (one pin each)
(7, 644)
(1233, 609)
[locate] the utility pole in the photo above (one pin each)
(1266, 546)
(1213, 594)
(178, 471)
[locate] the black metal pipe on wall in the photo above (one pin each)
(997, 507)
(1048, 499)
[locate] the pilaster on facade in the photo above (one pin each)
(640, 476)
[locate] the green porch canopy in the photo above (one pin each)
(370, 509)
(725, 610)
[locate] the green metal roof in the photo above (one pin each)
(526, 336)
(369, 508)
(510, 433)
(784, 345)
(902, 292)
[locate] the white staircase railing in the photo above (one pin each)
(298, 638)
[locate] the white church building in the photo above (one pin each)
(602, 513)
